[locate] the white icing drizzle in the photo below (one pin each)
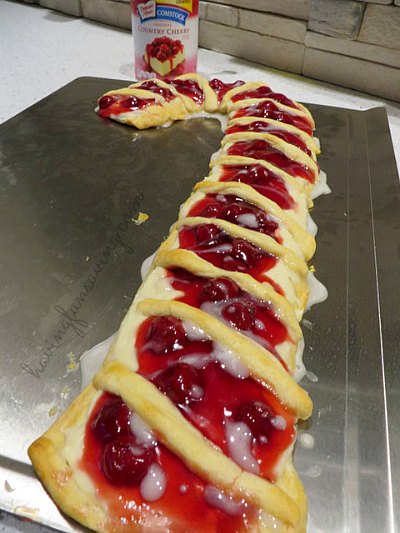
(92, 360)
(312, 228)
(196, 360)
(229, 361)
(317, 291)
(146, 265)
(142, 432)
(278, 422)
(300, 369)
(248, 220)
(223, 119)
(270, 523)
(153, 485)
(225, 247)
(321, 187)
(259, 324)
(307, 441)
(311, 376)
(193, 332)
(239, 439)
(216, 498)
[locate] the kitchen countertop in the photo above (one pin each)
(44, 50)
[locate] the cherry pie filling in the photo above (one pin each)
(263, 180)
(264, 92)
(265, 127)
(152, 86)
(269, 109)
(263, 150)
(238, 211)
(221, 88)
(115, 104)
(189, 88)
(144, 483)
(212, 244)
(214, 391)
(223, 298)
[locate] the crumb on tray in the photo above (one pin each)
(142, 217)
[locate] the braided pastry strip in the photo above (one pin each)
(273, 501)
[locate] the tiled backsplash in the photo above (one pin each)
(354, 44)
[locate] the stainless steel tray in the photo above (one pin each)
(71, 184)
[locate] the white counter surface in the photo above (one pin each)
(42, 50)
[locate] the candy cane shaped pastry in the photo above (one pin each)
(191, 421)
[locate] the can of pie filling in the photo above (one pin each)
(165, 36)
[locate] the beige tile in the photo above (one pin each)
(227, 15)
(71, 7)
(397, 2)
(271, 51)
(109, 12)
(298, 9)
(370, 52)
(372, 78)
(387, 2)
(337, 18)
(381, 26)
(273, 25)
(202, 9)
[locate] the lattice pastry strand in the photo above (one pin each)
(190, 423)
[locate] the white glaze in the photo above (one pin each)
(317, 291)
(321, 187)
(312, 228)
(306, 440)
(193, 332)
(222, 119)
(229, 361)
(146, 265)
(142, 432)
(270, 523)
(239, 439)
(92, 360)
(218, 499)
(248, 220)
(311, 376)
(153, 484)
(300, 369)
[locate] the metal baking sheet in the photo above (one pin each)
(71, 183)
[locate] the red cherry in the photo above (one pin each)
(106, 101)
(242, 316)
(211, 211)
(257, 416)
(125, 463)
(232, 211)
(245, 253)
(112, 420)
(208, 234)
(182, 383)
(265, 225)
(165, 334)
(130, 102)
(219, 289)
